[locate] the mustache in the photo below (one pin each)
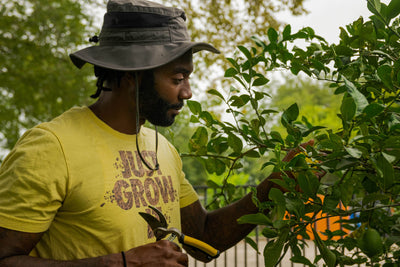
(175, 106)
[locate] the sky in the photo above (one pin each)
(326, 16)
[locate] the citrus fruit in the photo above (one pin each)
(370, 243)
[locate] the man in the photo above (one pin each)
(71, 189)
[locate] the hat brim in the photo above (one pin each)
(136, 57)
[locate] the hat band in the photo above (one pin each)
(143, 36)
(134, 20)
(129, 36)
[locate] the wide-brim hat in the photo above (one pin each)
(139, 35)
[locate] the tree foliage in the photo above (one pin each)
(361, 159)
(37, 80)
(230, 22)
(316, 100)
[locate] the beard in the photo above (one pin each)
(152, 107)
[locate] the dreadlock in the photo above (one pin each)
(103, 75)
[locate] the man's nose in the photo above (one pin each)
(186, 91)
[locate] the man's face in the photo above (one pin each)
(163, 90)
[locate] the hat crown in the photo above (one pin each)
(139, 35)
(142, 22)
(143, 6)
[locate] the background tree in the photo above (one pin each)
(316, 100)
(37, 79)
(228, 23)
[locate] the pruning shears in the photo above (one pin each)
(161, 230)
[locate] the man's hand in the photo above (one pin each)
(160, 253)
(290, 155)
(15, 247)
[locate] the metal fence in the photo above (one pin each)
(240, 255)
(243, 254)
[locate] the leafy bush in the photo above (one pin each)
(361, 160)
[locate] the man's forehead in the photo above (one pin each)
(183, 64)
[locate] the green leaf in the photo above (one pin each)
(269, 233)
(311, 130)
(212, 184)
(273, 249)
(237, 101)
(394, 123)
(291, 113)
(286, 32)
(304, 184)
(233, 63)
(359, 99)
(328, 256)
(260, 81)
(370, 198)
(302, 260)
(215, 166)
(272, 35)
(230, 72)
(346, 190)
(385, 171)
(269, 111)
(354, 152)
(220, 167)
(277, 136)
(252, 154)
(393, 9)
(348, 109)
(235, 143)
(277, 197)
(331, 201)
(245, 51)
(384, 72)
(295, 206)
(373, 110)
(252, 243)
(374, 6)
(194, 106)
(194, 119)
(340, 90)
(207, 117)
(257, 219)
(279, 182)
(216, 93)
(199, 139)
(258, 42)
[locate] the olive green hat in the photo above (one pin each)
(139, 35)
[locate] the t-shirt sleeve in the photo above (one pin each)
(33, 182)
(187, 194)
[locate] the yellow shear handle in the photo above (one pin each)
(193, 242)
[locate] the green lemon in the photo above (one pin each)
(371, 243)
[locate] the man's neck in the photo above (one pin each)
(116, 114)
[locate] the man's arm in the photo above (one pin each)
(15, 247)
(219, 228)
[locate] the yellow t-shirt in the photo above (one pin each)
(83, 184)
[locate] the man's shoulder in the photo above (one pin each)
(75, 117)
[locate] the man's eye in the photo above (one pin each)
(179, 80)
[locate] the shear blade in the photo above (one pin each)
(161, 217)
(156, 223)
